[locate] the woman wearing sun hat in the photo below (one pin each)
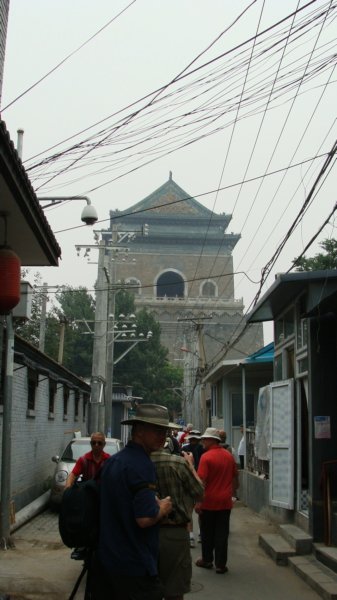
(218, 472)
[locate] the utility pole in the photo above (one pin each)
(197, 390)
(44, 299)
(103, 350)
(200, 374)
(110, 337)
(98, 372)
(63, 322)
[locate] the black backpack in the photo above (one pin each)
(79, 514)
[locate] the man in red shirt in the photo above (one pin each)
(90, 464)
(218, 472)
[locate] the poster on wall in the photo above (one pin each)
(322, 428)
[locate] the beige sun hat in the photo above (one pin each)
(211, 433)
(154, 414)
(194, 434)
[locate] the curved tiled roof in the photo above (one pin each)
(20, 201)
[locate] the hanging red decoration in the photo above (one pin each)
(9, 279)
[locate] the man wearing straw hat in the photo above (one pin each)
(218, 471)
(131, 511)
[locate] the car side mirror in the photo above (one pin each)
(55, 458)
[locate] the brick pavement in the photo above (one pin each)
(40, 566)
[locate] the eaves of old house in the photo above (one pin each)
(28, 232)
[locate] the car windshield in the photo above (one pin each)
(77, 448)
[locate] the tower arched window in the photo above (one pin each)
(134, 285)
(171, 285)
(208, 289)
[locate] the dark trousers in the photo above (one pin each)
(104, 586)
(214, 528)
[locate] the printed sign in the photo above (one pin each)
(322, 428)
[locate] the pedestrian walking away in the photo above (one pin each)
(126, 563)
(177, 477)
(218, 472)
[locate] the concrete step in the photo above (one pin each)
(322, 579)
(297, 538)
(326, 555)
(277, 547)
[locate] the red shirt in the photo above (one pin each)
(87, 466)
(183, 436)
(217, 469)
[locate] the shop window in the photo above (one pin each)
(52, 397)
(32, 387)
(278, 368)
(219, 404)
(214, 400)
(77, 402)
(302, 333)
(237, 410)
(84, 406)
(284, 327)
(65, 402)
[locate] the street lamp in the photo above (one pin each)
(89, 214)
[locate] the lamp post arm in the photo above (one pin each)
(53, 200)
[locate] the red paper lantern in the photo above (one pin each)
(9, 280)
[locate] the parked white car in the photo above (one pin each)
(76, 448)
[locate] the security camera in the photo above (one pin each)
(89, 215)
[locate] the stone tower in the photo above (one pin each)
(183, 272)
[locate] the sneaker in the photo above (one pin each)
(192, 543)
(221, 570)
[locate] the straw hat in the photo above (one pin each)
(211, 433)
(194, 434)
(154, 414)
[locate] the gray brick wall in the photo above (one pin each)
(35, 439)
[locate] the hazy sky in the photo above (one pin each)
(214, 91)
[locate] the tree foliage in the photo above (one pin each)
(321, 261)
(71, 308)
(146, 367)
(30, 329)
(75, 311)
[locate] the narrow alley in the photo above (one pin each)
(40, 566)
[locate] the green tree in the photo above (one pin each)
(30, 329)
(146, 367)
(75, 310)
(321, 261)
(71, 307)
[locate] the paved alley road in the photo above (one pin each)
(40, 566)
